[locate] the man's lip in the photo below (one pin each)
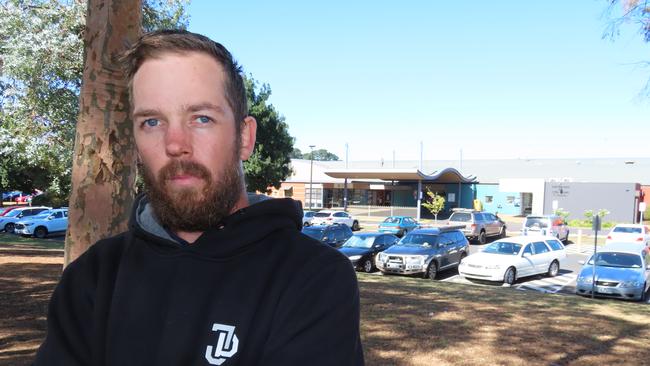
(184, 177)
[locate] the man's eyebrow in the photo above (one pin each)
(146, 113)
(204, 106)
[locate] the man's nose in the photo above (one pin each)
(178, 141)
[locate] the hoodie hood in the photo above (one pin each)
(262, 217)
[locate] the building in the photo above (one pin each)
(508, 186)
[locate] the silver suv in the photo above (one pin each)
(479, 225)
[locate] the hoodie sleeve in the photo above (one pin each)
(318, 318)
(69, 319)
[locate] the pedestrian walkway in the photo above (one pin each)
(579, 249)
(549, 285)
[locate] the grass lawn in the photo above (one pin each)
(18, 242)
(411, 321)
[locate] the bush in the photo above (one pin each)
(47, 199)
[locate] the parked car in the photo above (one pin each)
(622, 272)
(334, 235)
(329, 217)
(47, 222)
(635, 233)
(425, 251)
(307, 217)
(11, 196)
(5, 210)
(362, 248)
(506, 260)
(478, 225)
(8, 221)
(551, 225)
(398, 225)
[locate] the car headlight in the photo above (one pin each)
(493, 266)
(382, 257)
(585, 279)
(355, 257)
(631, 284)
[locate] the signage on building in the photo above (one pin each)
(560, 190)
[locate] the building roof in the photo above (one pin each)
(601, 170)
(446, 175)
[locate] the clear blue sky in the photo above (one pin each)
(497, 79)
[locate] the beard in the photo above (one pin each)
(198, 208)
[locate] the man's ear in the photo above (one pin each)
(248, 133)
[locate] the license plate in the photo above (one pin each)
(393, 265)
(606, 290)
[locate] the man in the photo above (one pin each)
(206, 274)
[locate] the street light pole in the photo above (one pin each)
(311, 172)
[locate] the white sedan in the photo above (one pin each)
(508, 259)
(329, 217)
(630, 233)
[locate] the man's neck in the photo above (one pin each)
(192, 236)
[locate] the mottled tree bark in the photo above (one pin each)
(103, 168)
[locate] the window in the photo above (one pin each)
(510, 199)
(540, 247)
(528, 250)
(555, 244)
(58, 215)
(460, 216)
(489, 199)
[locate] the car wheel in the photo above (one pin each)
(401, 233)
(482, 238)
(553, 269)
(9, 228)
(355, 225)
(367, 266)
(40, 232)
(566, 238)
(510, 277)
(503, 233)
(432, 271)
(462, 255)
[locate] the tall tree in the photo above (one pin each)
(321, 155)
(270, 163)
(103, 171)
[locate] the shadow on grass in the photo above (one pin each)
(408, 321)
(17, 241)
(26, 291)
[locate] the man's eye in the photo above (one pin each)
(151, 122)
(203, 119)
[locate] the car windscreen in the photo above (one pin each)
(316, 233)
(391, 220)
(627, 230)
(360, 242)
(322, 214)
(536, 222)
(615, 259)
(503, 247)
(419, 240)
(13, 213)
(460, 216)
(309, 214)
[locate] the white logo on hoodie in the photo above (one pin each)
(226, 347)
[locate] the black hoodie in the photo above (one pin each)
(254, 291)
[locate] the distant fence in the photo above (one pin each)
(381, 211)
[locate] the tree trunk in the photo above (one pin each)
(103, 164)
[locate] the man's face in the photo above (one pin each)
(187, 140)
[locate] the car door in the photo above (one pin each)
(525, 265)
(542, 257)
(58, 222)
(445, 250)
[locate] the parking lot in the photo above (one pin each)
(564, 283)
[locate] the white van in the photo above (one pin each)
(551, 225)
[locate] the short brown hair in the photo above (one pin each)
(153, 44)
